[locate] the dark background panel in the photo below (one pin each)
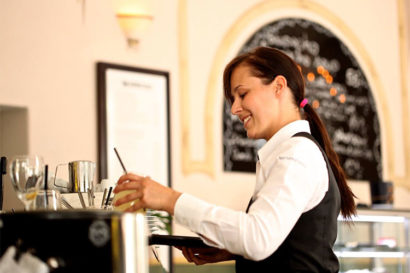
(335, 85)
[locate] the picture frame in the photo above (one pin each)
(133, 117)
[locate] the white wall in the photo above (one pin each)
(48, 51)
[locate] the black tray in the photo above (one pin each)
(172, 240)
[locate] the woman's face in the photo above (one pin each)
(255, 103)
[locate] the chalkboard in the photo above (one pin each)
(335, 85)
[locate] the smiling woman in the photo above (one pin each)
(266, 89)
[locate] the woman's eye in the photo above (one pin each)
(242, 95)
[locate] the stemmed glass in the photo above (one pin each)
(26, 173)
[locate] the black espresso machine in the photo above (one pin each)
(83, 241)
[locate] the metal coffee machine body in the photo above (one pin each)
(79, 241)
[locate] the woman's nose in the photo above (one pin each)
(236, 107)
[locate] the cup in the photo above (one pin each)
(106, 184)
(125, 206)
(47, 200)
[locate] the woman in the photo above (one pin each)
(291, 221)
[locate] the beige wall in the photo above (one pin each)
(48, 51)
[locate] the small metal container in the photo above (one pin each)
(80, 176)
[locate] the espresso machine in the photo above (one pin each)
(86, 241)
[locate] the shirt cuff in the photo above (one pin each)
(189, 211)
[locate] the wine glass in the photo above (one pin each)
(26, 172)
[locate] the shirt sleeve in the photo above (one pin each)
(290, 185)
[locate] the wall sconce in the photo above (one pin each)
(133, 25)
(134, 16)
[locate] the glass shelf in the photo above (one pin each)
(376, 240)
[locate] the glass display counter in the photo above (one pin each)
(375, 241)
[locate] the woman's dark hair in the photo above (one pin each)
(266, 64)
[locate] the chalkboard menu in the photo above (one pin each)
(335, 86)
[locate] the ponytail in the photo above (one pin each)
(319, 132)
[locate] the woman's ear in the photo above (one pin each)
(279, 84)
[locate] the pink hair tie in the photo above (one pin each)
(303, 103)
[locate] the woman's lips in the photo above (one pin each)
(246, 120)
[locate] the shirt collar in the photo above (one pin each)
(283, 134)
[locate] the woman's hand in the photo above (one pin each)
(201, 256)
(148, 193)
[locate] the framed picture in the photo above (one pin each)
(133, 117)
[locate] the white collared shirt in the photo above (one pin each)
(291, 178)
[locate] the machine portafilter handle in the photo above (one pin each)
(3, 171)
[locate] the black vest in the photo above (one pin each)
(309, 246)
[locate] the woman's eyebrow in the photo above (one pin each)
(236, 89)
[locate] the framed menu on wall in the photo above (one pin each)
(133, 117)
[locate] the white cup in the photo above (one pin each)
(106, 184)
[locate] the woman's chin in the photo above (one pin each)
(253, 135)
(250, 135)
